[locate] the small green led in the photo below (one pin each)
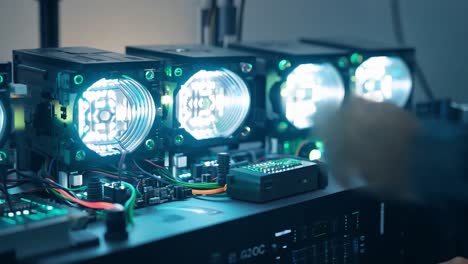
(149, 75)
(149, 144)
(319, 145)
(1, 78)
(246, 67)
(286, 146)
(78, 79)
(282, 126)
(178, 72)
(80, 155)
(3, 156)
(168, 71)
(343, 62)
(356, 58)
(284, 64)
(179, 139)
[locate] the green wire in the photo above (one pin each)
(130, 203)
(82, 188)
(189, 185)
(60, 195)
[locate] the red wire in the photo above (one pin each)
(92, 205)
(154, 164)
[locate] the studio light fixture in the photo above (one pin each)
(302, 85)
(114, 115)
(301, 82)
(306, 89)
(207, 97)
(88, 104)
(377, 72)
(5, 112)
(383, 79)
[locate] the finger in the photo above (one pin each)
(457, 260)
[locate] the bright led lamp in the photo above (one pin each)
(212, 104)
(114, 115)
(384, 79)
(309, 90)
(3, 120)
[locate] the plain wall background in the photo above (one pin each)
(437, 28)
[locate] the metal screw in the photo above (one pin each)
(80, 155)
(149, 75)
(149, 144)
(179, 139)
(3, 156)
(246, 67)
(245, 131)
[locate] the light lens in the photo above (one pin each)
(309, 90)
(315, 154)
(212, 104)
(114, 115)
(3, 120)
(384, 79)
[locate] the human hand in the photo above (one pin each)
(457, 260)
(372, 141)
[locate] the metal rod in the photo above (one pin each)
(49, 23)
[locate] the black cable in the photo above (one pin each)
(397, 25)
(121, 164)
(18, 183)
(397, 21)
(5, 189)
(212, 36)
(149, 174)
(425, 83)
(7, 197)
(37, 179)
(240, 20)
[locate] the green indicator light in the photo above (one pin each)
(343, 62)
(149, 75)
(315, 154)
(1, 78)
(168, 71)
(179, 139)
(149, 144)
(284, 64)
(3, 156)
(282, 126)
(356, 58)
(80, 155)
(286, 147)
(319, 145)
(78, 79)
(178, 72)
(246, 67)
